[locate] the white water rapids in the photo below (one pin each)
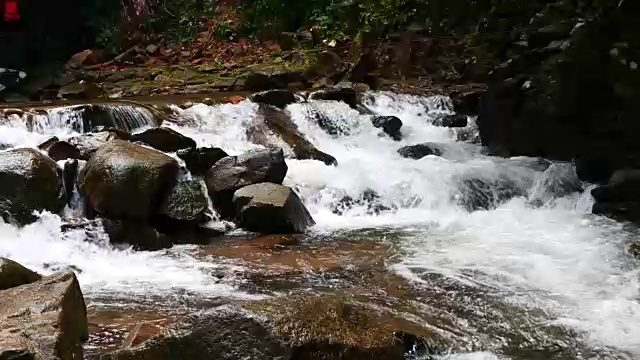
(556, 259)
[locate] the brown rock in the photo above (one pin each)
(13, 274)
(83, 58)
(45, 320)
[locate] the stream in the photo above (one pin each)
(497, 244)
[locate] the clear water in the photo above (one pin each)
(538, 252)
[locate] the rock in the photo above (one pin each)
(79, 91)
(44, 320)
(84, 146)
(164, 139)
(620, 197)
(419, 151)
(467, 103)
(139, 235)
(234, 172)
(124, 180)
(257, 82)
(48, 143)
(83, 58)
(30, 182)
(200, 160)
(151, 49)
(69, 176)
(277, 98)
(389, 124)
(486, 193)
(327, 326)
(451, 121)
(62, 150)
(274, 127)
(187, 201)
(558, 180)
(369, 199)
(347, 95)
(13, 274)
(328, 65)
(271, 209)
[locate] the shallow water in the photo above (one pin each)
(541, 254)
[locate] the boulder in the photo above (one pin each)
(347, 95)
(271, 209)
(48, 143)
(63, 150)
(187, 201)
(13, 274)
(79, 91)
(140, 236)
(369, 199)
(420, 150)
(389, 124)
(164, 139)
(477, 193)
(44, 320)
(200, 160)
(620, 197)
(450, 120)
(234, 172)
(129, 181)
(30, 182)
(274, 127)
(279, 98)
(467, 103)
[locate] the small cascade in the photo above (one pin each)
(90, 117)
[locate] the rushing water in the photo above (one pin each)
(535, 248)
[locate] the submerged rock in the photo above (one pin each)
(13, 274)
(487, 193)
(273, 126)
(124, 180)
(234, 172)
(327, 327)
(271, 209)
(279, 98)
(389, 124)
(200, 160)
(30, 182)
(369, 199)
(44, 320)
(164, 139)
(558, 180)
(420, 150)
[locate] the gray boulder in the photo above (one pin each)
(271, 209)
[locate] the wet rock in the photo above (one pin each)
(139, 235)
(164, 139)
(451, 121)
(69, 176)
(620, 197)
(200, 160)
(558, 180)
(278, 98)
(330, 125)
(369, 199)
(234, 172)
(347, 95)
(420, 150)
(327, 327)
(271, 209)
(124, 180)
(468, 102)
(30, 182)
(44, 320)
(13, 274)
(273, 126)
(48, 143)
(389, 124)
(486, 193)
(62, 150)
(187, 201)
